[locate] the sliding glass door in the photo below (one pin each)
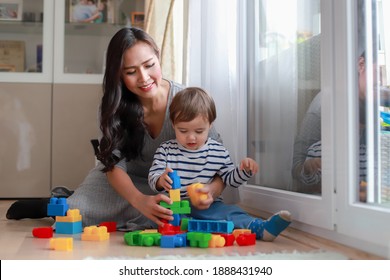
(319, 116)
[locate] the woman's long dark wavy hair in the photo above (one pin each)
(121, 113)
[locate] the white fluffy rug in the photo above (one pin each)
(314, 255)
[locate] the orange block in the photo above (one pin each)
(216, 241)
(195, 196)
(239, 231)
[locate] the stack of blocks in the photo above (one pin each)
(183, 232)
(69, 221)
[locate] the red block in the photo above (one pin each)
(245, 239)
(229, 239)
(111, 226)
(43, 232)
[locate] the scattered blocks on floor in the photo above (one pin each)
(239, 231)
(57, 207)
(246, 239)
(69, 228)
(137, 238)
(43, 232)
(229, 239)
(210, 226)
(111, 226)
(94, 233)
(173, 241)
(62, 244)
(216, 241)
(198, 239)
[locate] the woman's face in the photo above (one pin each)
(141, 71)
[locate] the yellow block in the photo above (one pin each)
(72, 216)
(61, 244)
(174, 195)
(94, 233)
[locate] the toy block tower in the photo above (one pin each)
(69, 224)
(178, 206)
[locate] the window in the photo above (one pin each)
(310, 67)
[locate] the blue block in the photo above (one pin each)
(210, 226)
(176, 185)
(57, 207)
(68, 227)
(172, 241)
(176, 220)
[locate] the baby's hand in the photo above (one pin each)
(164, 181)
(249, 165)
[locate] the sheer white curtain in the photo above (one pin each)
(215, 45)
(214, 62)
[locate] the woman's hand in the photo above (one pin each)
(149, 206)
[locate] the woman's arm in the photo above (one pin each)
(148, 205)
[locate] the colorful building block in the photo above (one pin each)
(176, 185)
(229, 239)
(174, 195)
(236, 232)
(198, 239)
(136, 238)
(169, 229)
(184, 224)
(61, 244)
(246, 239)
(210, 226)
(176, 220)
(172, 241)
(68, 228)
(57, 207)
(194, 195)
(72, 215)
(111, 226)
(216, 241)
(94, 233)
(178, 207)
(43, 232)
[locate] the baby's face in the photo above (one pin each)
(193, 134)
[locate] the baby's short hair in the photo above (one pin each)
(191, 102)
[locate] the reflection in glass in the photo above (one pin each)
(286, 81)
(374, 105)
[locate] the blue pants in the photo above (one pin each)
(221, 211)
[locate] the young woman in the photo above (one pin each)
(134, 121)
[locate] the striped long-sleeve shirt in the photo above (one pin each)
(198, 166)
